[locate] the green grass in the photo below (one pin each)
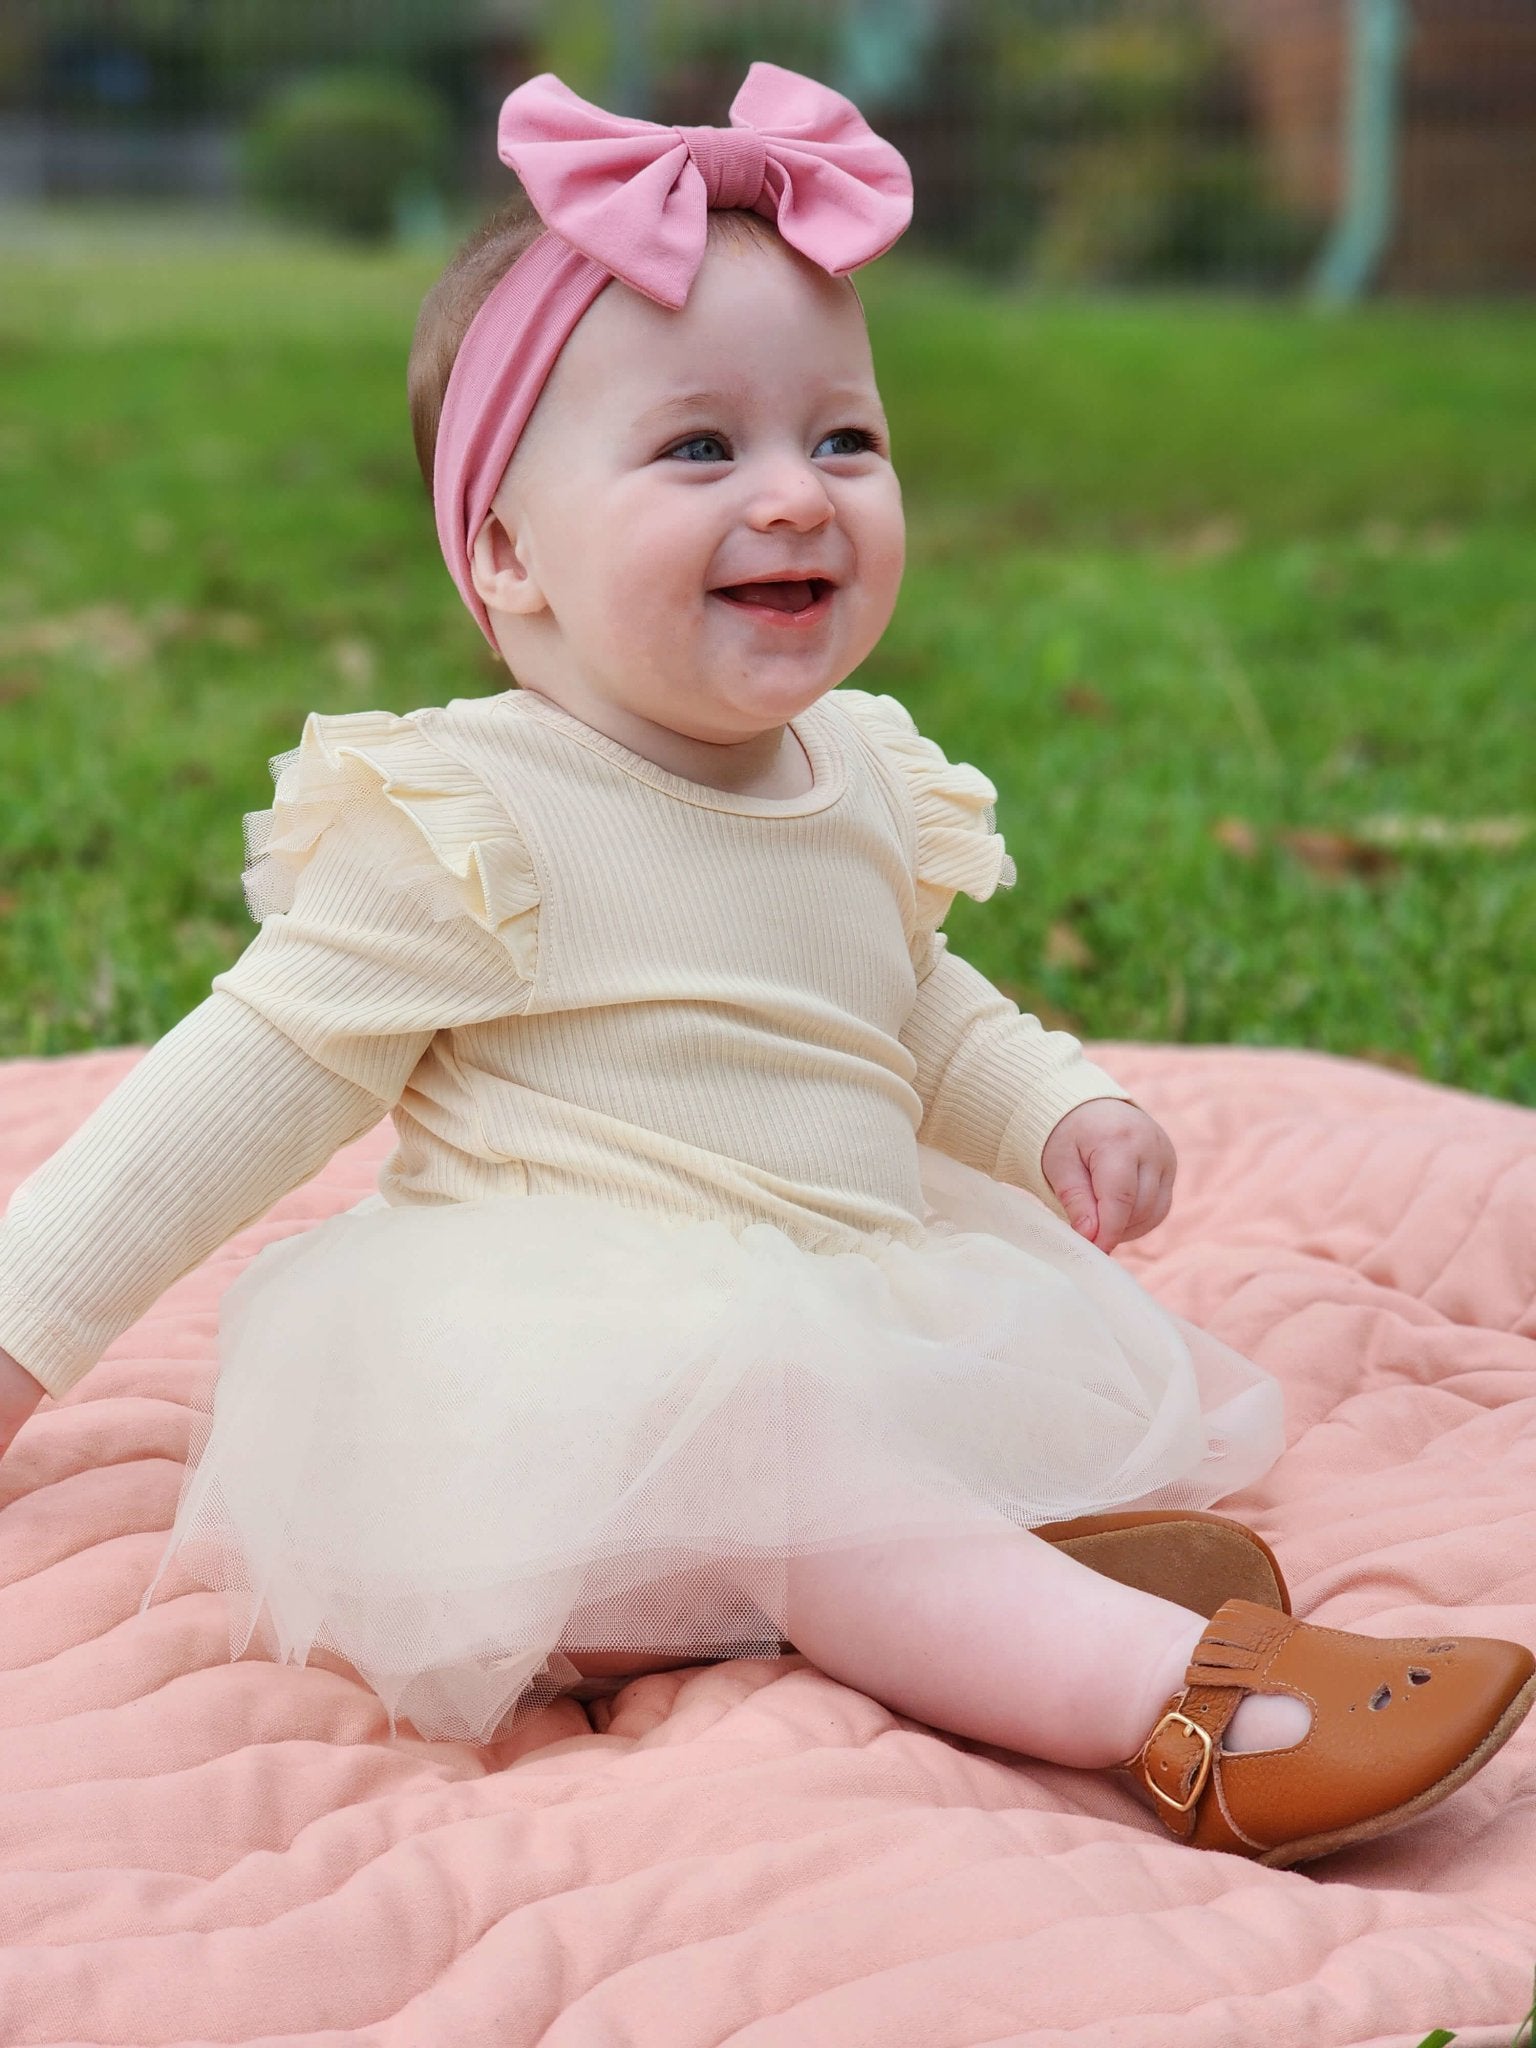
(1191, 580)
(1442, 2037)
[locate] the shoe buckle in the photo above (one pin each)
(1202, 1776)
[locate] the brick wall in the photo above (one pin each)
(1466, 192)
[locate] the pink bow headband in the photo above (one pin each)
(628, 199)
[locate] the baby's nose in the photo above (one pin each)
(792, 492)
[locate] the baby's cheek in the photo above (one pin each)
(880, 572)
(627, 585)
(645, 626)
(883, 542)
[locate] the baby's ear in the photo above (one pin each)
(497, 569)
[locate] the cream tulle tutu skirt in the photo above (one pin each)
(451, 1443)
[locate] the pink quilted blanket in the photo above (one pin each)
(195, 1851)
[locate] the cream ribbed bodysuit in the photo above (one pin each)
(560, 968)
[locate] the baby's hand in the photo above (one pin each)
(19, 1395)
(1111, 1167)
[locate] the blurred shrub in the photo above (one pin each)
(346, 150)
(1129, 214)
(1110, 142)
(699, 56)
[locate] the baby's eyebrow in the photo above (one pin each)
(692, 401)
(703, 401)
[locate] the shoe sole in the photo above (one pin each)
(1311, 1846)
(1194, 1560)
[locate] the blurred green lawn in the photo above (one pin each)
(1215, 592)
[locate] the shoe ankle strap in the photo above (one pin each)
(1178, 1759)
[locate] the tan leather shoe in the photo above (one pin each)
(1186, 1555)
(1398, 1723)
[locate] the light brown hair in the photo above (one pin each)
(474, 269)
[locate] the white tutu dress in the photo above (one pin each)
(458, 1435)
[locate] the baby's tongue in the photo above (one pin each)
(782, 597)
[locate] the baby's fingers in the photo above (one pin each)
(1154, 1195)
(1116, 1182)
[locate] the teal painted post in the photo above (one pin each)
(1354, 249)
(630, 89)
(882, 47)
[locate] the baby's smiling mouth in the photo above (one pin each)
(799, 597)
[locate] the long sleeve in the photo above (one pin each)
(218, 1120)
(994, 1082)
(300, 1047)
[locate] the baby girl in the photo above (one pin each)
(740, 1278)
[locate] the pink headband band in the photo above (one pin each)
(628, 199)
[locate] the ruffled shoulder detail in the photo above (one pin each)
(473, 862)
(958, 844)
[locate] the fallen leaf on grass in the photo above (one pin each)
(1082, 700)
(1065, 948)
(108, 632)
(24, 682)
(1379, 1056)
(229, 629)
(1337, 853)
(184, 622)
(1394, 829)
(1208, 542)
(353, 661)
(117, 638)
(1330, 854)
(1237, 836)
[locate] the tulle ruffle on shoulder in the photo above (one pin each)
(959, 847)
(473, 860)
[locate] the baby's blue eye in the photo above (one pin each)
(855, 441)
(698, 441)
(856, 435)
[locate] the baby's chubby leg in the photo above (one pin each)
(998, 1636)
(986, 1631)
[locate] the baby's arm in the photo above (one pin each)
(218, 1120)
(994, 1082)
(299, 1048)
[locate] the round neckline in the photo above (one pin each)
(815, 731)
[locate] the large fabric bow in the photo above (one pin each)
(634, 196)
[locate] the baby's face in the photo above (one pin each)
(677, 459)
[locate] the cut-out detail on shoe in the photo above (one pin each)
(1324, 1794)
(1417, 1675)
(1439, 1649)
